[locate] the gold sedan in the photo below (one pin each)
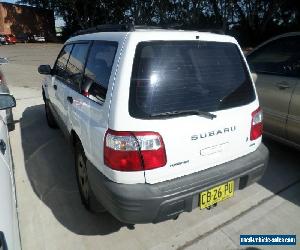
(275, 67)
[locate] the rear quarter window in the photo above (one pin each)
(98, 69)
(187, 75)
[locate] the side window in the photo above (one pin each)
(62, 60)
(76, 63)
(98, 69)
(280, 57)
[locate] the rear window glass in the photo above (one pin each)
(187, 75)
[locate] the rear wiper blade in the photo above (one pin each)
(186, 112)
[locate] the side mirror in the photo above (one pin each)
(3, 244)
(45, 69)
(7, 101)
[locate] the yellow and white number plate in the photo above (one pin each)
(216, 194)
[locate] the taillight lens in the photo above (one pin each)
(256, 124)
(134, 151)
(85, 93)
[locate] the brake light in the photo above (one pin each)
(134, 151)
(256, 124)
(85, 93)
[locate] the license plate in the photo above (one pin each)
(216, 194)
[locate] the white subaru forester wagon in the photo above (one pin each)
(161, 121)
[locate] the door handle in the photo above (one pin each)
(2, 146)
(55, 86)
(70, 99)
(282, 85)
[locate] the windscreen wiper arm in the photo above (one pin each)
(186, 112)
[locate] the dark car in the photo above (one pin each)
(22, 38)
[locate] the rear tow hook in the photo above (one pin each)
(212, 206)
(130, 226)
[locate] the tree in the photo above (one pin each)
(251, 21)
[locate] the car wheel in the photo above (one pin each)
(86, 194)
(49, 116)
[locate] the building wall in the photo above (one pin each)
(20, 20)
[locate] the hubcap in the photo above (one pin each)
(83, 177)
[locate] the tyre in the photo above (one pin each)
(86, 194)
(49, 116)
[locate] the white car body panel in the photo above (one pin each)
(8, 215)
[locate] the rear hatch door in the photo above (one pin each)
(199, 96)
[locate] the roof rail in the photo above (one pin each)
(151, 27)
(119, 27)
(106, 28)
(128, 27)
(216, 31)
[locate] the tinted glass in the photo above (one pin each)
(281, 57)
(76, 63)
(98, 69)
(181, 76)
(62, 60)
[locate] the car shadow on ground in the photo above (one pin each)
(283, 172)
(50, 169)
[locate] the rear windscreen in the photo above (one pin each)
(187, 75)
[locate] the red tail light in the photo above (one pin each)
(134, 151)
(256, 124)
(85, 93)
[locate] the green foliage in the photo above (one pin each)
(251, 21)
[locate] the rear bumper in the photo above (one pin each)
(152, 203)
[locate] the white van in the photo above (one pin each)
(161, 121)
